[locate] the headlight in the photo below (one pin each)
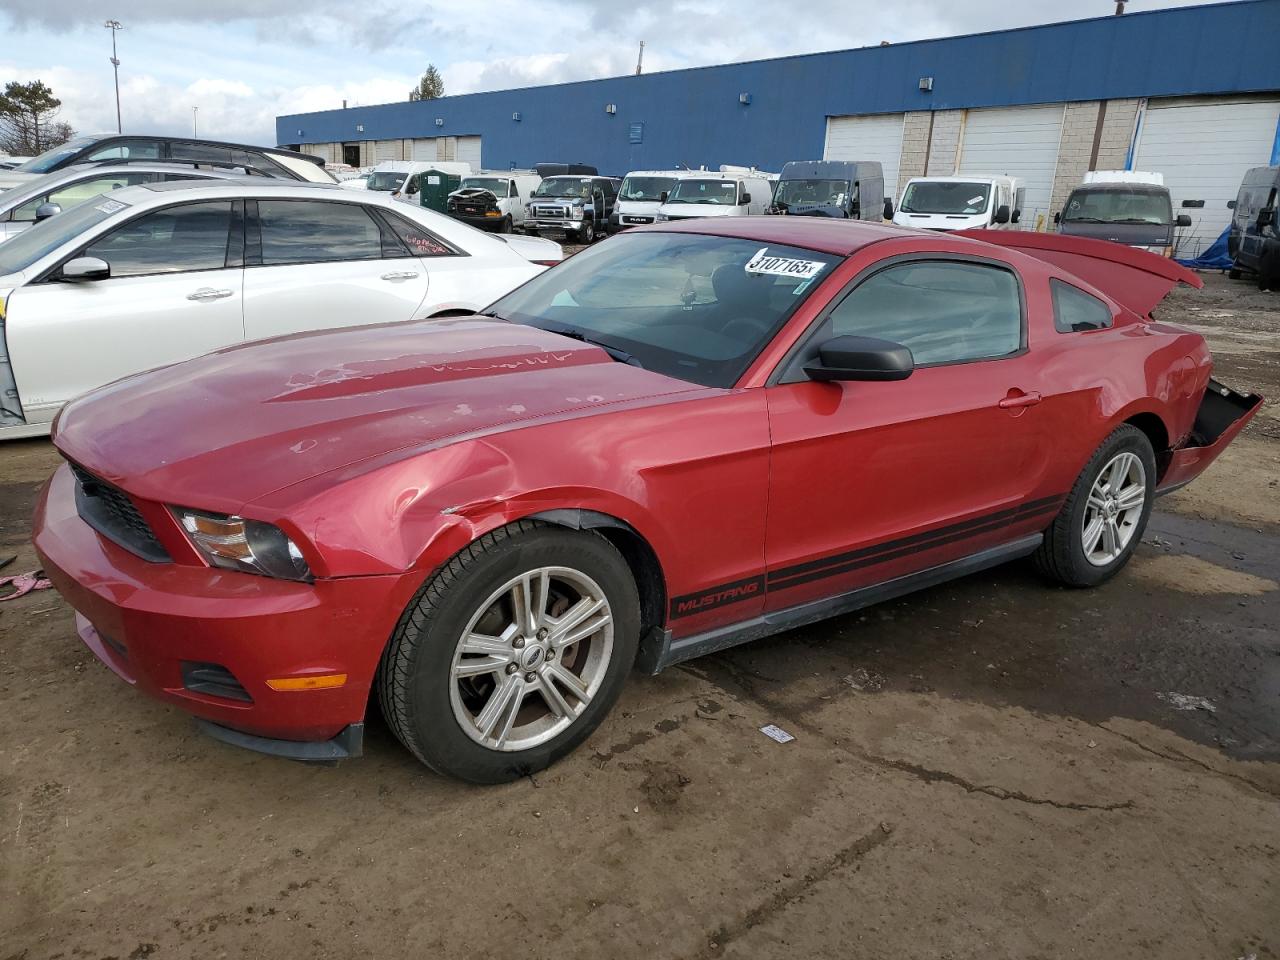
(575, 213)
(250, 546)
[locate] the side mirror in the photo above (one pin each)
(1017, 215)
(47, 210)
(662, 197)
(1002, 213)
(888, 209)
(86, 268)
(1183, 220)
(1266, 216)
(746, 198)
(861, 358)
(1057, 217)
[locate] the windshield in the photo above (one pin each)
(697, 308)
(46, 236)
(564, 187)
(495, 185)
(1119, 205)
(386, 181)
(816, 192)
(645, 188)
(51, 158)
(705, 191)
(953, 197)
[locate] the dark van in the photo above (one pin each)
(847, 189)
(1254, 239)
(1123, 206)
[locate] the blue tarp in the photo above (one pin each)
(1213, 257)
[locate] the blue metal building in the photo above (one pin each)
(1089, 86)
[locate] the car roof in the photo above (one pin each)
(254, 184)
(824, 234)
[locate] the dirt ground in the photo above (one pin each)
(994, 768)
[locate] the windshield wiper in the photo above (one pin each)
(1084, 220)
(573, 333)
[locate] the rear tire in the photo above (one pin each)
(488, 676)
(1233, 274)
(1102, 520)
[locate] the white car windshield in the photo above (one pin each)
(385, 180)
(645, 188)
(705, 191)
(945, 196)
(43, 238)
(495, 185)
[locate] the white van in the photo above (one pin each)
(733, 192)
(494, 201)
(641, 194)
(961, 203)
(403, 178)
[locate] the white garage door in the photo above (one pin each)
(469, 151)
(1018, 142)
(867, 138)
(386, 150)
(424, 148)
(1203, 150)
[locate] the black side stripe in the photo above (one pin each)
(780, 581)
(943, 535)
(830, 566)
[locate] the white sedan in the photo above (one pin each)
(159, 273)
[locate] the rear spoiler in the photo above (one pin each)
(1133, 278)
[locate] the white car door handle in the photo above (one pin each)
(208, 293)
(400, 275)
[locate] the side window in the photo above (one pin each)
(1074, 310)
(192, 236)
(412, 187)
(188, 150)
(128, 150)
(314, 231)
(420, 241)
(73, 194)
(946, 312)
(512, 189)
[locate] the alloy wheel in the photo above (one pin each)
(531, 658)
(1114, 509)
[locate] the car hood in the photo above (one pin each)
(11, 179)
(230, 427)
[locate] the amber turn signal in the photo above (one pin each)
(323, 681)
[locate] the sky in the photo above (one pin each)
(243, 62)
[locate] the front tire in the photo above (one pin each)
(512, 654)
(587, 233)
(505, 226)
(1102, 520)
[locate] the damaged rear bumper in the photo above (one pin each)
(1222, 415)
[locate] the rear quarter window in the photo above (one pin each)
(1075, 311)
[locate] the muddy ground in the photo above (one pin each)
(994, 768)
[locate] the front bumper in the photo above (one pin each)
(547, 225)
(151, 622)
(480, 222)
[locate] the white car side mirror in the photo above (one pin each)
(86, 268)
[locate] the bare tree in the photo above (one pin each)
(28, 119)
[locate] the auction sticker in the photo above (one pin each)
(762, 262)
(110, 206)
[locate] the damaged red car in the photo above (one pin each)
(687, 437)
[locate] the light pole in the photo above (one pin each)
(195, 116)
(113, 26)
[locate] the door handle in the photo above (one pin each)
(1017, 398)
(205, 294)
(400, 275)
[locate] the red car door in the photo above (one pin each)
(874, 480)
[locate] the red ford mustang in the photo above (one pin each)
(684, 438)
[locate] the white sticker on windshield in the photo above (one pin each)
(783, 266)
(110, 206)
(973, 200)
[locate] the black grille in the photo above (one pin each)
(109, 510)
(214, 680)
